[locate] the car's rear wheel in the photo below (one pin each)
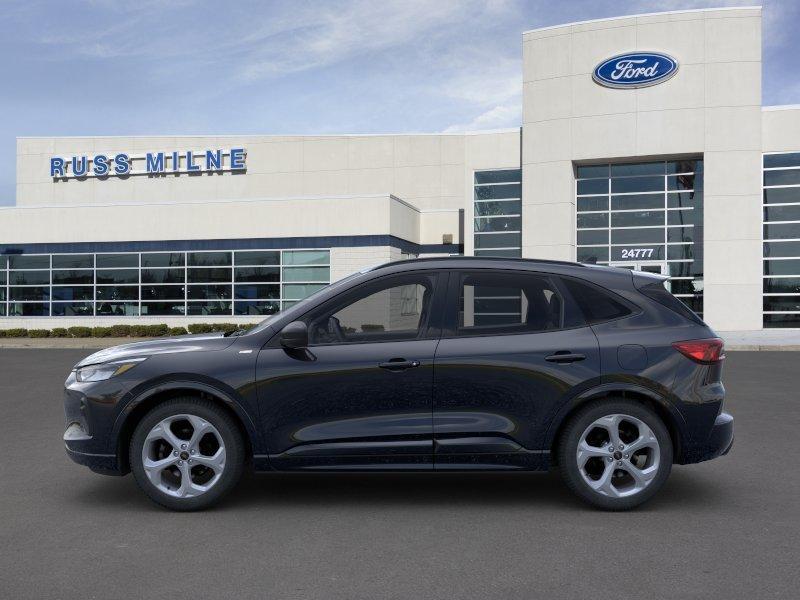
(615, 454)
(186, 454)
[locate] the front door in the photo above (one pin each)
(360, 396)
(514, 349)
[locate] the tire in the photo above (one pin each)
(187, 435)
(626, 480)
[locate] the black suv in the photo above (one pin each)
(431, 364)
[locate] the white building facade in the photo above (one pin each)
(676, 170)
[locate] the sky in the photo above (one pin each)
(194, 67)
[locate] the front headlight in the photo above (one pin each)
(105, 371)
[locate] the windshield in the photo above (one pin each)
(300, 307)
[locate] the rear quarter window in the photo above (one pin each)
(596, 304)
(658, 292)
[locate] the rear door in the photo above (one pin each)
(513, 351)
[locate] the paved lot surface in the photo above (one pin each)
(725, 529)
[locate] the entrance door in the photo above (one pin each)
(644, 266)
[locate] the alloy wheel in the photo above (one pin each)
(184, 456)
(618, 455)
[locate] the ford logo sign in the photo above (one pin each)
(635, 70)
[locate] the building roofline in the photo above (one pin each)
(652, 14)
(782, 107)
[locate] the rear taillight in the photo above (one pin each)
(705, 352)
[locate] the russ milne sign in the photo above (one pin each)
(635, 70)
(122, 164)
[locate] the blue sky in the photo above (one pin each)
(108, 67)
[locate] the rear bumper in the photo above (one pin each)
(719, 441)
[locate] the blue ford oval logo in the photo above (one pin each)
(635, 70)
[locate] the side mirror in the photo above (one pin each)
(295, 335)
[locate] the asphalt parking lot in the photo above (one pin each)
(729, 528)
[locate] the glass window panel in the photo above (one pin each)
(782, 303)
(29, 293)
(684, 217)
(257, 308)
(638, 252)
(266, 257)
(209, 275)
(3, 309)
(209, 259)
(686, 286)
(782, 267)
(117, 309)
(114, 261)
(592, 186)
(684, 166)
(28, 309)
(73, 261)
(220, 307)
(637, 219)
(778, 249)
(680, 234)
(593, 254)
(117, 292)
(507, 253)
(162, 292)
(2, 277)
(497, 240)
(163, 276)
(591, 237)
(782, 231)
(255, 292)
(209, 292)
(498, 224)
(789, 159)
(776, 321)
(782, 213)
(782, 195)
(2, 294)
(3, 262)
(593, 203)
(685, 269)
(306, 273)
(508, 207)
(83, 292)
(163, 259)
(73, 277)
(680, 252)
(647, 168)
(72, 309)
(306, 257)
(118, 276)
(637, 201)
(685, 200)
(297, 291)
(162, 309)
(494, 192)
(637, 184)
(29, 277)
(257, 273)
(498, 176)
(592, 220)
(787, 177)
(637, 236)
(684, 182)
(782, 285)
(586, 171)
(24, 261)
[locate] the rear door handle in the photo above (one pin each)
(564, 356)
(399, 364)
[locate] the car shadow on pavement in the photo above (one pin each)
(683, 490)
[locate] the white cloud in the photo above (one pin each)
(497, 117)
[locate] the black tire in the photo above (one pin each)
(568, 446)
(235, 452)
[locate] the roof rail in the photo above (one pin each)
(481, 258)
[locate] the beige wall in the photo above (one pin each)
(712, 107)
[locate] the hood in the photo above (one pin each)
(181, 343)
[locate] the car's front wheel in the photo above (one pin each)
(615, 454)
(186, 454)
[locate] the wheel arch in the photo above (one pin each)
(146, 400)
(665, 410)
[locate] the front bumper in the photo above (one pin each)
(77, 444)
(719, 441)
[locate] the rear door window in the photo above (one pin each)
(596, 304)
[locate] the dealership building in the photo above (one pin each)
(644, 144)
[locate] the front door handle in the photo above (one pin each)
(399, 364)
(564, 356)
